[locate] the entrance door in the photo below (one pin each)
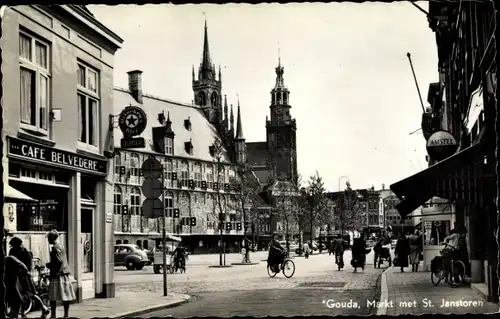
(87, 223)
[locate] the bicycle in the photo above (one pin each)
(178, 265)
(448, 269)
(287, 266)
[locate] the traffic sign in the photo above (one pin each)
(137, 142)
(132, 121)
(152, 188)
(152, 208)
(151, 168)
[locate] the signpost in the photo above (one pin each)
(132, 122)
(153, 188)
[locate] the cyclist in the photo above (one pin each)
(451, 252)
(179, 255)
(338, 248)
(276, 253)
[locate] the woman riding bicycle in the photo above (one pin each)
(276, 253)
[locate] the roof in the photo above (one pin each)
(202, 134)
(263, 175)
(257, 154)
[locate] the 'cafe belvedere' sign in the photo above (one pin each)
(56, 157)
(440, 145)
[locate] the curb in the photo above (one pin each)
(152, 309)
(384, 294)
(245, 264)
(219, 266)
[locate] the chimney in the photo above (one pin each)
(135, 84)
(383, 186)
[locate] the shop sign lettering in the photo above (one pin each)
(54, 156)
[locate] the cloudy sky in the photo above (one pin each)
(352, 90)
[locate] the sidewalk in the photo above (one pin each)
(125, 304)
(413, 293)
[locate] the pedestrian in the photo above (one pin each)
(402, 252)
(60, 288)
(415, 252)
(306, 249)
(358, 253)
(338, 248)
(330, 246)
(17, 250)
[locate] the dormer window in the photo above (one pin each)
(187, 124)
(188, 146)
(169, 146)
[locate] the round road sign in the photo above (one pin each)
(152, 208)
(152, 188)
(132, 121)
(151, 168)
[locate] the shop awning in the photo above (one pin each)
(419, 188)
(12, 195)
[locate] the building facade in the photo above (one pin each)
(57, 102)
(198, 178)
(463, 103)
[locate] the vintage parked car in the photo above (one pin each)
(130, 256)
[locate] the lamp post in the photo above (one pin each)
(341, 209)
(217, 153)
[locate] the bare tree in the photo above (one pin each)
(348, 210)
(315, 199)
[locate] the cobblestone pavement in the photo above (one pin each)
(249, 291)
(413, 293)
(318, 268)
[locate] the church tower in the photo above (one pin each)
(240, 147)
(207, 88)
(281, 131)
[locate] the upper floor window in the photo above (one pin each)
(168, 172)
(88, 108)
(135, 201)
(34, 60)
(169, 204)
(134, 165)
(184, 174)
(117, 200)
(197, 174)
(169, 146)
(118, 163)
(210, 176)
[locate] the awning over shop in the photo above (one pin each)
(436, 180)
(12, 195)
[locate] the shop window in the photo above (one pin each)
(42, 216)
(184, 174)
(210, 176)
(34, 60)
(197, 175)
(168, 172)
(118, 242)
(135, 201)
(435, 232)
(117, 201)
(88, 108)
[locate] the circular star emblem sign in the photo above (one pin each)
(132, 121)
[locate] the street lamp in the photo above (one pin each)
(216, 150)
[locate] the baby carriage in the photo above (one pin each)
(382, 253)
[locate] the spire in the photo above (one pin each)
(225, 113)
(280, 83)
(168, 123)
(206, 63)
(193, 73)
(239, 128)
(220, 75)
(231, 121)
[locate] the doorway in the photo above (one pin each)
(87, 224)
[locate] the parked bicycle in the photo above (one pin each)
(287, 266)
(447, 268)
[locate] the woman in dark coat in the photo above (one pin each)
(402, 251)
(18, 285)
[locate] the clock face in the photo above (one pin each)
(279, 110)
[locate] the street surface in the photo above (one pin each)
(317, 288)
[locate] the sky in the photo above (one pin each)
(352, 91)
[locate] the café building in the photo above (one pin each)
(58, 122)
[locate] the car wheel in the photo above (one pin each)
(139, 266)
(130, 265)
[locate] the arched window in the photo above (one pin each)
(117, 200)
(285, 98)
(125, 241)
(134, 165)
(214, 99)
(118, 163)
(168, 172)
(197, 174)
(222, 176)
(184, 174)
(139, 243)
(135, 201)
(169, 204)
(210, 176)
(145, 244)
(202, 99)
